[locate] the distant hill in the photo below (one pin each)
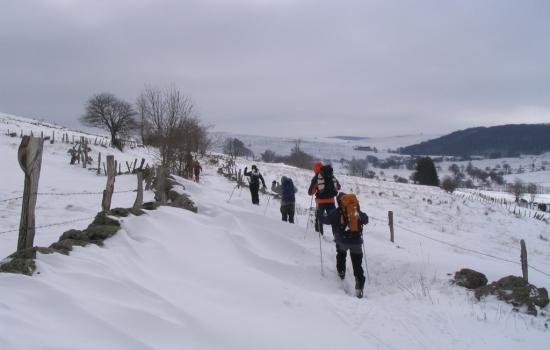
(350, 138)
(494, 142)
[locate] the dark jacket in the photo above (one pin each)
(341, 235)
(254, 176)
(314, 190)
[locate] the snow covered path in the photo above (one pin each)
(234, 276)
(231, 277)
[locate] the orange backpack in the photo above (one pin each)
(350, 213)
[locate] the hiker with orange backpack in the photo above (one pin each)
(325, 187)
(347, 222)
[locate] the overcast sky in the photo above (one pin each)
(285, 67)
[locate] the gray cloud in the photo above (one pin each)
(286, 67)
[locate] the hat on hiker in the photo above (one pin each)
(317, 166)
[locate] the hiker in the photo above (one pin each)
(347, 222)
(188, 166)
(254, 183)
(197, 169)
(325, 187)
(288, 201)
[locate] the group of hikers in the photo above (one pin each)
(193, 168)
(339, 210)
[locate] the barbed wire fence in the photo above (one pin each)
(456, 246)
(60, 194)
(511, 206)
(30, 160)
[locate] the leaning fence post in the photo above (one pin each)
(109, 188)
(524, 266)
(139, 197)
(390, 223)
(30, 160)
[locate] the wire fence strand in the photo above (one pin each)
(461, 248)
(65, 194)
(51, 225)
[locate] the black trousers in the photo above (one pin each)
(322, 208)
(254, 188)
(287, 212)
(356, 254)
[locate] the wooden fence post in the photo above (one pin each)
(390, 223)
(99, 164)
(85, 153)
(524, 265)
(139, 197)
(30, 160)
(109, 188)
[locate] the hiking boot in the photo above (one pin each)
(359, 293)
(342, 275)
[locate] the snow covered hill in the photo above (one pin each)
(234, 276)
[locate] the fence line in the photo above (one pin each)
(462, 248)
(64, 194)
(10, 199)
(51, 225)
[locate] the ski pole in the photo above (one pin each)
(234, 188)
(267, 204)
(321, 255)
(308, 216)
(365, 257)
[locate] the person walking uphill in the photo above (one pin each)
(287, 191)
(325, 187)
(254, 183)
(197, 169)
(347, 222)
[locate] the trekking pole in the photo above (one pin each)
(267, 204)
(365, 257)
(234, 188)
(321, 255)
(308, 216)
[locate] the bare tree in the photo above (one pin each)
(517, 189)
(449, 184)
(357, 167)
(171, 123)
(532, 190)
(107, 112)
(236, 148)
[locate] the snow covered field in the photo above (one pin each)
(234, 276)
(334, 149)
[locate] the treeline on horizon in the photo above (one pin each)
(490, 142)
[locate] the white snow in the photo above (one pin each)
(234, 276)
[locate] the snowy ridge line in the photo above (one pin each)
(64, 194)
(50, 225)
(463, 248)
